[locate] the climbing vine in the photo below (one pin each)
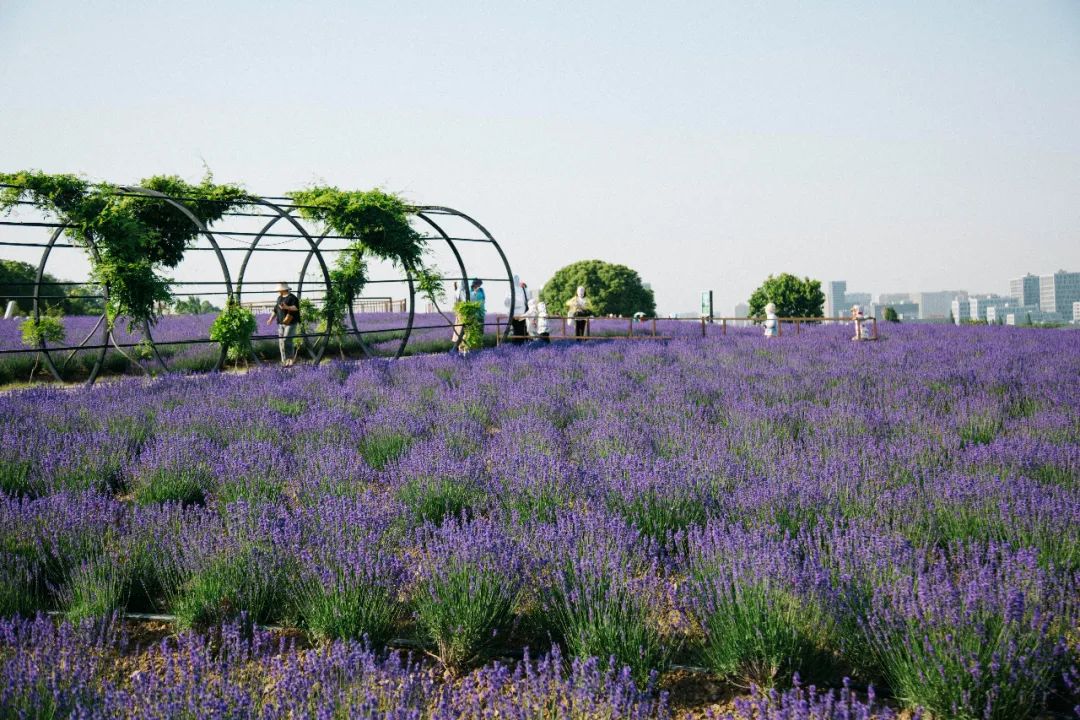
(379, 224)
(130, 239)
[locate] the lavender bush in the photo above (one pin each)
(905, 513)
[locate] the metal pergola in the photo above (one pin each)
(282, 225)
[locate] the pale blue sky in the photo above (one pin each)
(897, 145)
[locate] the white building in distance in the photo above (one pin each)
(1025, 289)
(1058, 292)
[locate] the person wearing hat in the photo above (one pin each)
(287, 314)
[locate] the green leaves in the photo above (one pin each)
(792, 296)
(48, 328)
(611, 289)
(378, 220)
(129, 237)
(470, 316)
(233, 328)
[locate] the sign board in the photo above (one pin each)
(706, 304)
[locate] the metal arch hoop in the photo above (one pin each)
(314, 249)
(213, 243)
(491, 239)
(457, 256)
(43, 347)
(352, 315)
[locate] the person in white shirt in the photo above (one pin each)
(536, 321)
(521, 295)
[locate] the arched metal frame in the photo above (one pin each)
(314, 250)
(316, 349)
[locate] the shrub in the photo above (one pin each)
(248, 580)
(469, 315)
(602, 599)
(352, 607)
(742, 593)
(97, 588)
(381, 447)
(470, 578)
(976, 635)
(431, 499)
(233, 328)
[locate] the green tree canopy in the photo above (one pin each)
(611, 289)
(793, 297)
(17, 283)
(891, 315)
(194, 306)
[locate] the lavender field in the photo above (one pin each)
(182, 342)
(721, 527)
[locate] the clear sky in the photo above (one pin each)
(901, 146)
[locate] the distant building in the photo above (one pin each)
(904, 310)
(835, 298)
(1058, 292)
(960, 309)
(861, 299)
(742, 310)
(1016, 314)
(979, 304)
(934, 305)
(1076, 312)
(1025, 289)
(891, 298)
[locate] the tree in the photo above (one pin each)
(890, 315)
(793, 297)
(612, 289)
(17, 283)
(194, 306)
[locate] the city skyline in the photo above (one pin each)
(1051, 297)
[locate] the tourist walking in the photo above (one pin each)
(520, 294)
(578, 308)
(287, 315)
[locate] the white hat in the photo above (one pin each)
(284, 286)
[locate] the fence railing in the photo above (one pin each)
(651, 331)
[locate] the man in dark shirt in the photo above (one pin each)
(287, 314)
